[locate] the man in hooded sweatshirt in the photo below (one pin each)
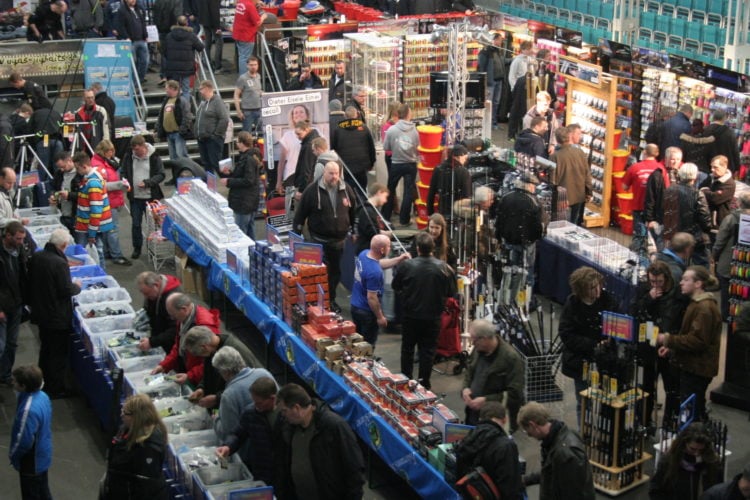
(402, 140)
(353, 142)
(531, 140)
(144, 171)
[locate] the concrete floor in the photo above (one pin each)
(79, 443)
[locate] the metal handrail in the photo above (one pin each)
(141, 108)
(267, 58)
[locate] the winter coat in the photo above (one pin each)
(314, 83)
(305, 168)
(182, 115)
(353, 143)
(519, 219)
(530, 144)
(580, 330)
(572, 172)
(164, 14)
(49, 24)
(724, 491)
(112, 179)
(367, 223)
(93, 213)
(676, 265)
(552, 124)
(504, 380)
(725, 143)
(234, 400)
(212, 382)
(211, 119)
(719, 194)
(685, 210)
(13, 285)
(338, 90)
(566, 472)
(424, 284)
(653, 206)
(325, 222)
(99, 128)
(53, 289)
(180, 46)
(161, 323)
(695, 150)
(192, 365)
(136, 473)
(402, 139)
(243, 184)
(155, 173)
(724, 244)
(106, 102)
(131, 25)
(208, 13)
(488, 445)
(492, 62)
(334, 453)
(33, 93)
(688, 485)
(259, 429)
(672, 129)
(86, 15)
(696, 348)
(449, 184)
(31, 438)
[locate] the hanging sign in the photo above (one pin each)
(580, 70)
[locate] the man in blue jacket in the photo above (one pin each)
(31, 439)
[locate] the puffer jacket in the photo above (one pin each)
(353, 143)
(136, 473)
(685, 210)
(244, 194)
(31, 438)
(566, 471)
(696, 348)
(489, 446)
(180, 46)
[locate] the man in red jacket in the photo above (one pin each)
(636, 177)
(189, 368)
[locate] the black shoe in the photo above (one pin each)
(122, 261)
(136, 253)
(335, 308)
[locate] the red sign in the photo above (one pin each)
(308, 253)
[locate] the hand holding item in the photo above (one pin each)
(158, 369)
(195, 396)
(663, 352)
(181, 378)
(222, 451)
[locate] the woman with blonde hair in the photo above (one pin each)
(104, 162)
(136, 455)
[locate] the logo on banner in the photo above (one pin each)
(227, 285)
(309, 376)
(175, 234)
(374, 433)
(289, 351)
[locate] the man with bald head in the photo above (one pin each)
(636, 177)
(7, 205)
(328, 208)
(367, 291)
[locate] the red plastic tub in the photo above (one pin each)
(619, 160)
(430, 158)
(423, 190)
(425, 174)
(291, 8)
(626, 223)
(625, 203)
(271, 9)
(430, 136)
(421, 209)
(421, 223)
(617, 182)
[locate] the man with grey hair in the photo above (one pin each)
(238, 377)
(495, 373)
(359, 101)
(201, 342)
(52, 309)
(726, 239)
(658, 181)
(187, 315)
(686, 210)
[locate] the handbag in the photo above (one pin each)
(477, 485)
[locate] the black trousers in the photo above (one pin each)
(690, 383)
(53, 358)
(35, 487)
(332, 253)
(422, 333)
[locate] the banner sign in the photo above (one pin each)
(108, 62)
(55, 62)
(308, 253)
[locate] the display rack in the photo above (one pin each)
(323, 54)
(421, 57)
(738, 282)
(609, 427)
(376, 63)
(659, 91)
(592, 104)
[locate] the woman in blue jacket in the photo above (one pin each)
(31, 440)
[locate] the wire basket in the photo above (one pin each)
(544, 380)
(159, 249)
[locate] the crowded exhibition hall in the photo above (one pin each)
(258, 249)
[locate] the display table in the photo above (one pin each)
(555, 264)
(371, 428)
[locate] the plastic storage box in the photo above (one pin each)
(99, 283)
(240, 490)
(180, 444)
(96, 295)
(212, 476)
(131, 359)
(156, 386)
(98, 344)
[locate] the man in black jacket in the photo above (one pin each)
(65, 184)
(303, 173)
(328, 207)
(51, 291)
(318, 451)
(353, 143)
(33, 93)
(144, 171)
(46, 22)
(180, 46)
(489, 446)
(13, 280)
(424, 283)
(531, 140)
(131, 25)
(164, 15)
(566, 471)
(209, 17)
(338, 82)
(156, 289)
(736, 489)
(306, 80)
(725, 141)
(492, 62)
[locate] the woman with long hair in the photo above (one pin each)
(695, 348)
(689, 467)
(136, 455)
(290, 146)
(438, 229)
(243, 182)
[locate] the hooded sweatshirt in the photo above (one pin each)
(402, 140)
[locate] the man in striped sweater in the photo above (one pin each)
(93, 216)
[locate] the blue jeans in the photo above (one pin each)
(409, 172)
(210, 151)
(244, 51)
(185, 87)
(9, 342)
(246, 223)
(81, 238)
(177, 146)
(496, 93)
(137, 211)
(367, 324)
(46, 155)
(251, 121)
(140, 54)
(112, 238)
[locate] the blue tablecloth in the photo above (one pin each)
(370, 427)
(555, 265)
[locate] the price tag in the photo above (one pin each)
(308, 253)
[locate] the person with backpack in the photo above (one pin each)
(165, 14)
